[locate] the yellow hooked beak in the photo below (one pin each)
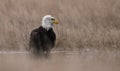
(55, 22)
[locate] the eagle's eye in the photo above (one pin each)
(52, 19)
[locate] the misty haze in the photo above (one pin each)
(87, 36)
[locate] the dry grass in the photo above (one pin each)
(83, 23)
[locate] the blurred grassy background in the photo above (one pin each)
(83, 23)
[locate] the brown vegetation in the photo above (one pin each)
(83, 23)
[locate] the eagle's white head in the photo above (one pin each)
(48, 21)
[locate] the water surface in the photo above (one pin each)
(85, 60)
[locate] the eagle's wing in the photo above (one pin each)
(34, 39)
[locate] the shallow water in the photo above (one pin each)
(85, 60)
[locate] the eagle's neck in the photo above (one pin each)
(42, 28)
(47, 25)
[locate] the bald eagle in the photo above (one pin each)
(42, 39)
